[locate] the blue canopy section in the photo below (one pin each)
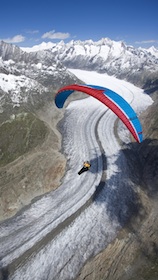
(61, 97)
(125, 107)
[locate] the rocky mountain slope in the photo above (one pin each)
(30, 161)
(29, 79)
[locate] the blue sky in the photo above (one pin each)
(30, 22)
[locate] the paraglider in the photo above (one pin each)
(86, 167)
(111, 99)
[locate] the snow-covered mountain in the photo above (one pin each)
(27, 74)
(153, 51)
(114, 58)
(29, 78)
(44, 46)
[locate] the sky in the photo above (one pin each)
(31, 22)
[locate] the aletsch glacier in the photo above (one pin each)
(62, 257)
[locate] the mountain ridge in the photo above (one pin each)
(48, 65)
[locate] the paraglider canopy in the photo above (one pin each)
(111, 99)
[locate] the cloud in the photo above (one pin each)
(32, 31)
(55, 35)
(15, 39)
(146, 42)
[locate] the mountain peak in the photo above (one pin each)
(36, 48)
